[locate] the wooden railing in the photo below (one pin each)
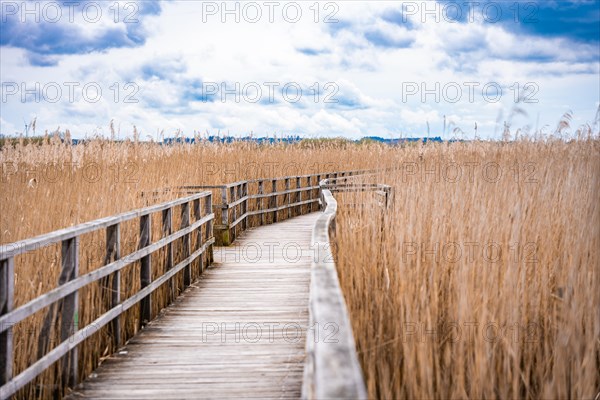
(63, 301)
(344, 185)
(250, 203)
(332, 369)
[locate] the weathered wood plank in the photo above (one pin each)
(60, 350)
(7, 286)
(70, 308)
(23, 246)
(332, 368)
(187, 244)
(113, 253)
(191, 351)
(227, 283)
(287, 198)
(273, 199)
(167, 229)
(62, 291)
(146, 268)
(208, 231)
(260, 201)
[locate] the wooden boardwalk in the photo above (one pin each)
(239, 331)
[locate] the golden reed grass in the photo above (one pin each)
(541, 337)
(482, 279)
(49, 186)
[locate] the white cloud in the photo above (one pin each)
(370, 78)
(420, 117)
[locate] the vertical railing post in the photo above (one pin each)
(274, 199)
(167, 230)
(70, 307)
(242, 205)
(239, 192)
(298, 195)
(321, 196)
(260, 202)
(185, 222)
(319, 190)
(197, 217)
(232, 198)
(310, 192)
(209, 228)
(225, 236)
(113, 253)
(246, 204)
(7, 288)
(145, 269)
(287, 197)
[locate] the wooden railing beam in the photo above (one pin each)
(145, 269)
(274, 198)
(260, 202)
(62, 301)
(233, 207)
(7, 287)
(70, 307)
(167, 229)
(245, 204)
(198, 215)
(225, 234)
(185, 222)
(208, 228)
(287, 197)
(332, 369)
(113, 253)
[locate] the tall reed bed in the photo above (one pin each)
(482, 279)
(50, 185)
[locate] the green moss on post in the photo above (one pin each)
(225, 237)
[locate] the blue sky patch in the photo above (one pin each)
(64, 37)
(312, 52)
(362, 61)
(381, 39)
(571, 19)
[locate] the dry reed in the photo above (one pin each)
(482, 280)
(49, 186)
(436, 313)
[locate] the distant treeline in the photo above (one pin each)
(296, 139)
(6, 140)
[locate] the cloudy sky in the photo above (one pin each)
(346, 68)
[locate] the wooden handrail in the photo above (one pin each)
(300, 195)
(71, 282)
(332, 369)
(238, 203)
(23, 246)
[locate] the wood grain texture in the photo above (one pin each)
(332, 368)
(23, 246)
(239, 331)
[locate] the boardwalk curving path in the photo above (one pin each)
(239, 331)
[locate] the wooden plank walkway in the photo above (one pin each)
(238, 332)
